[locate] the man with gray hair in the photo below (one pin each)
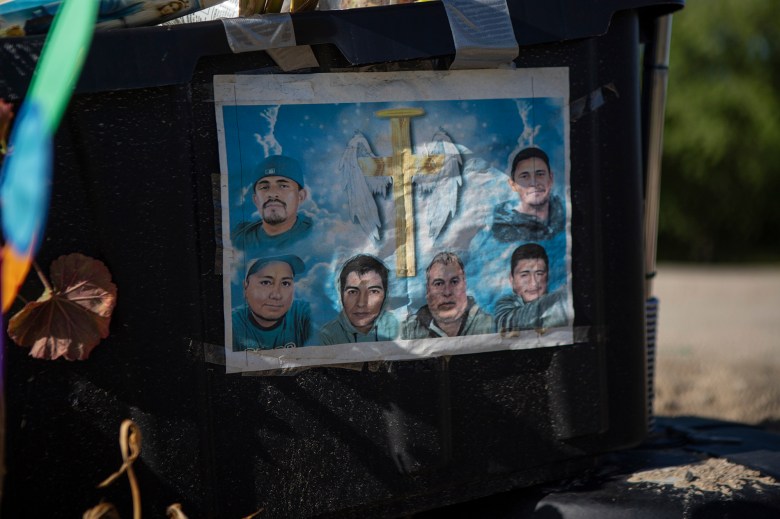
(450, 312)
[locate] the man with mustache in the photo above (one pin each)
(450, 312)
(539, 215)
(277, 193)
(530, 306)
(271, 317)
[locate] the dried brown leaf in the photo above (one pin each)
(70, 319)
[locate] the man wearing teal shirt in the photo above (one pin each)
(271, 317)
(363, 318)
(277, 193)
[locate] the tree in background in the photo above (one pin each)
(720, 196)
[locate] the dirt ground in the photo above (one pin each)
(718, 347)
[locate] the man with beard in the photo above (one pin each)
(277, 193)
(530, 306)
(539, 215)
(450, 312)
(363, 318)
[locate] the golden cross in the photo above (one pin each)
(402, 165)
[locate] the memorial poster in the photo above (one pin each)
(393, 216)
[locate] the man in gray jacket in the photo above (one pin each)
(530, 306)
(363, 318)
(450, 312)
(538, 214)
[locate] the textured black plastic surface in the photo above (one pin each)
(623, 486)
(147, 57)
(133, 187)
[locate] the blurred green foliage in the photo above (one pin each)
(721, 166)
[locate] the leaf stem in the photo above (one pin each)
(42, 276)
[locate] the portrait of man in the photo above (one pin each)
(363, 316)
(530, 306)
(537, 214)
(277, 192)
(271, 317)
(450, 311)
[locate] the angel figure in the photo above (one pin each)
(361, 174)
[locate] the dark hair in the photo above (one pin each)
(445, 258)
(362, 264)
(526, 252)
(529, 153)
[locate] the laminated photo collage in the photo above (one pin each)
(393, 216)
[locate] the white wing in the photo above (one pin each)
(446, 182)
(359, 188)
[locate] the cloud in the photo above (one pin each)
(266, 133)
(245, 193)
(317, 286)
(527, 137)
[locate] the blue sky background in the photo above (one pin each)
(487, 133)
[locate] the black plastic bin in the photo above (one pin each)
(135, 171)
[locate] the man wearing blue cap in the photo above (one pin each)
(277, 192)
(271, 317)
